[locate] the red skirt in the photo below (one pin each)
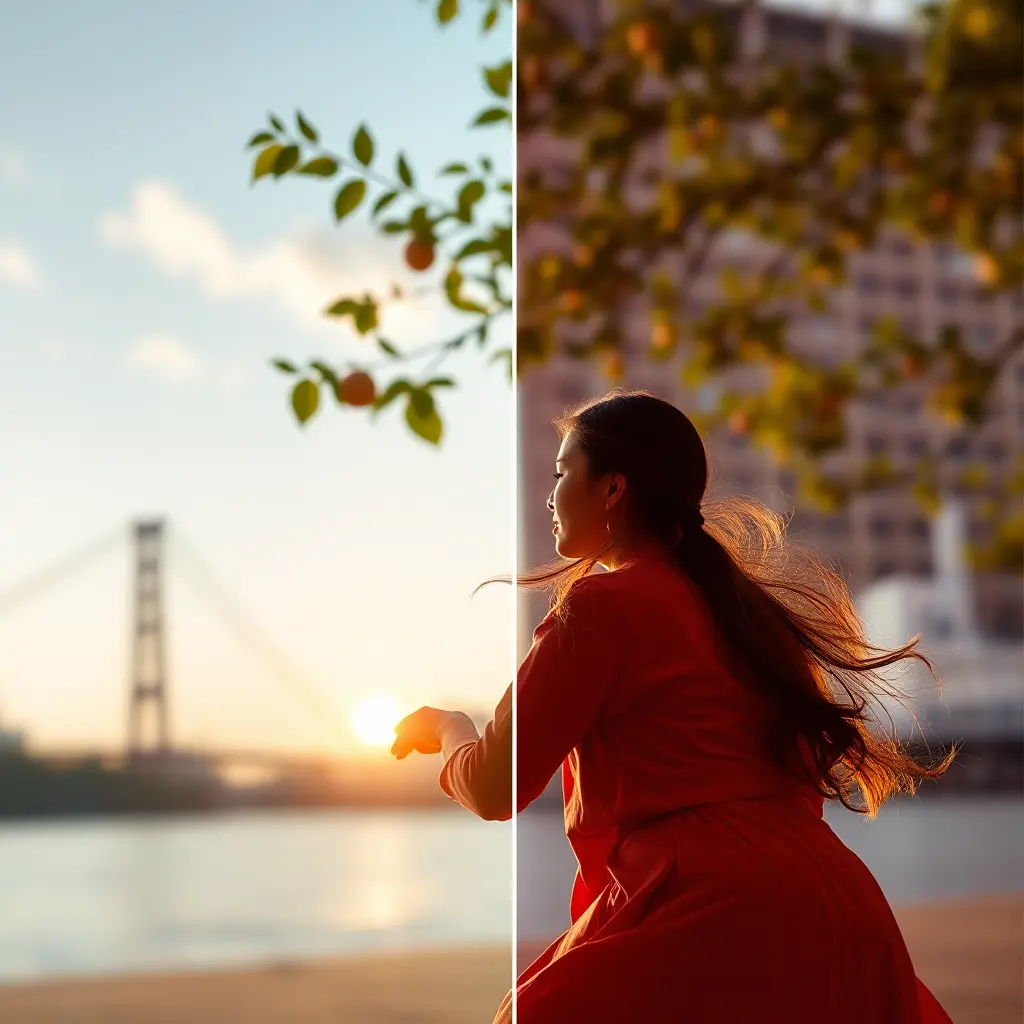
(752, 911)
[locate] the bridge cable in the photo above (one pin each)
(231, 611)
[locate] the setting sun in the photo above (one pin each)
(374, 721)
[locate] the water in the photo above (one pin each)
(128, 895)
(255, 888)
(918, 851)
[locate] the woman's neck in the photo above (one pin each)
(639, 551)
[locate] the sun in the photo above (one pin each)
(374, 721)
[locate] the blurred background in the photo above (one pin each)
(743, 209)
(211, 619)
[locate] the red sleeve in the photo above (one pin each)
(478, 775)
(563, 681)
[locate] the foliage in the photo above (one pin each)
(463, 244)
(710, 207)
(713, 205)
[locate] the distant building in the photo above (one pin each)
(880, 535)
(982, 678)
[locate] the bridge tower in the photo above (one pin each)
(148, 679)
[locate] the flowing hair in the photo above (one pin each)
(787, 616)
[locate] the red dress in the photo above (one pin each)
(709, 890)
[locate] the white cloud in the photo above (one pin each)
(17, 267)
(165, 356)
(302, 274)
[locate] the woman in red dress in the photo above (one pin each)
(702, 697)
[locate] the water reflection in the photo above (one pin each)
(392, 892)
(112, 896)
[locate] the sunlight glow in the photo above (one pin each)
(374, 721)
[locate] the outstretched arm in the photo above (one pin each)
(477, 771)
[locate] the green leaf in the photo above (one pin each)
(264, 164)
(456, 168)
(366, 317)
(348, 198)
(404, 172)
(259, 139)
(308, 131)
(343, 307)
(276, 122)
(286, 160)
(321, 167)
(446, 10)
(490, 19)
(362, 146)
(384, 202)
(387, 347)
(284, 366)
(439, 382)
(429, 427)
(305, 400)
(474, 247)
(499, 79)
(471, 194)
(326, 372)
(394, 227)
(393, 390)
(492, 116)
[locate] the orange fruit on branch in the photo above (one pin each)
(357, 389)
(419, 255)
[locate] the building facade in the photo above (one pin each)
(879, 535)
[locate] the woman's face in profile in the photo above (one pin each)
(577, 504)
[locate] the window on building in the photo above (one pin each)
(919, 528)
(869, 283)
(908, 287)
(957, 447)
(876, 444)
(1008, 620)
(917, 446)
(794, 28)
(880, 527)
(890, 44)
(995, 450)
(884, 569)
(982, 335)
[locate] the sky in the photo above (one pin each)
(144, 285)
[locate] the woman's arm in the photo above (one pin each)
(564, 680)
(477, 770)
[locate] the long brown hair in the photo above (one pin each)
(785, 613)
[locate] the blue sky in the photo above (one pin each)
(144, 286)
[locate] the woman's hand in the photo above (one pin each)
(420, 732)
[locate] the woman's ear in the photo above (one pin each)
(616, 489)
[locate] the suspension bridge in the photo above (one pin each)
(148, 731)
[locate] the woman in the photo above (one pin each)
(703, 697)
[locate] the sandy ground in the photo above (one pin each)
(970, 953)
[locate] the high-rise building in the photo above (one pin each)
(880, 534)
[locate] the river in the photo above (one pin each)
(109, 896)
